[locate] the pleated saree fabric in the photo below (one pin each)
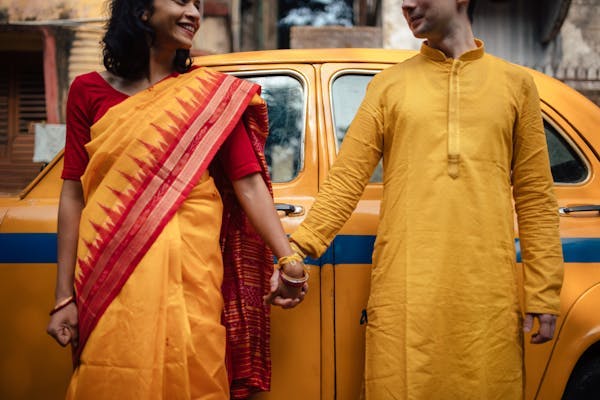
(153, 303)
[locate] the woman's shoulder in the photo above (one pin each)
(89, 78)
(86, 83)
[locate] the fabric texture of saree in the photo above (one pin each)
(150, 231)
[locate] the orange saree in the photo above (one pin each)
(162, 271)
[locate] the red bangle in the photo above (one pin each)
(62, 304)
(293, 282)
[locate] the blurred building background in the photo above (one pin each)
(44, 44)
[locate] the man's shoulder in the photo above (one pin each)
(397, 72)
(515, 73)
(408, 64)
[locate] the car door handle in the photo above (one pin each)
(576, 209)
(290, 210)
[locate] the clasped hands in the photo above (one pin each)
(282, 294)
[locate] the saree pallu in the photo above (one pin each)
(152, 295)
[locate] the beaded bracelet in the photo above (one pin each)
(62, 304)
(295, 257)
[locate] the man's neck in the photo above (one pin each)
(456, 42)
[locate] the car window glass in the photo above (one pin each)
(347, 92)
(566, 165)
(285, 99)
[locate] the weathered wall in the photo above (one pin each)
(396, 33)
(39, 10)
(579, 64)
(304, 37)
(214, 36)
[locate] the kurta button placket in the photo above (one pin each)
(454, 120)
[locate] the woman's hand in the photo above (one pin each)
(283, 295)
(63, 326)
(254, 197)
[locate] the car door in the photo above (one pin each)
(33, 365)
(575, 168)
(293, 159)
(343, 87)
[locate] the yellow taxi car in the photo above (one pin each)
(318, 347)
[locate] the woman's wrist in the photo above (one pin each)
(62, 292)
(294, 269)
(62, 304)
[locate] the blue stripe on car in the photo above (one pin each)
(27, 248)
(347, 249)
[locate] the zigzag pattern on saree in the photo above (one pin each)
(155, 192)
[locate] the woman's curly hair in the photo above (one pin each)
(126, 50)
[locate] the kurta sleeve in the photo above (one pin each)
(360, 152)
(536, 207)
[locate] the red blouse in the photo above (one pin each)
(90, 97)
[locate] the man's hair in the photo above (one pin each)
(126, 44)
(471, 10)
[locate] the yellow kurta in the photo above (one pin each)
(454, 134)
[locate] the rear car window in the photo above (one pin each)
(566, 164)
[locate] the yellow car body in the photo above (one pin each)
(317, 348)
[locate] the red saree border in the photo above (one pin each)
(160, 188)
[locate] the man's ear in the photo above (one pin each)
(471, 9)
(463, 3)
(468, 6)
(145, 16)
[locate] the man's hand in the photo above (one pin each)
(283, 295)
(63, 326)
(546, 330)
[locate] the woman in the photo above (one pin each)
(144, 234)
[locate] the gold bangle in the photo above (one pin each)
(62, 304)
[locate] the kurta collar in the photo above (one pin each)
(438, 55)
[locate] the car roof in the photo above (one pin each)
(307, 56)
(574, 107)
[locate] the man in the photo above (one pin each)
(461, 136)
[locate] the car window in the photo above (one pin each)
(565, 163)
(348, 90)
(285, 97)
